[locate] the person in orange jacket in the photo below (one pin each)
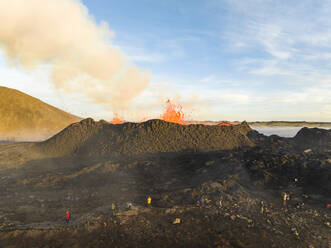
(67, 216)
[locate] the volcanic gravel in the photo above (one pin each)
(187, 171)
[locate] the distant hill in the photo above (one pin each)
(101, 138)
(269, 123)
(290, 124)
(26, 118)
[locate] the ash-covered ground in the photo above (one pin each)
(210, 187)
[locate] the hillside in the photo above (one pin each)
(101, 138)
(313, 137)
(23, 117)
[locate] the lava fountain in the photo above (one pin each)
(116, 119)
(173, 113)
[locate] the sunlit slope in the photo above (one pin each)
(23, 117)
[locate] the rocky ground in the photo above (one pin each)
(186, 188)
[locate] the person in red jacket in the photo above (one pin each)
(67, 216)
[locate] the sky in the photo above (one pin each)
(220, 59)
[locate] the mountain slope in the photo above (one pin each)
(23, 117)
(101, 138)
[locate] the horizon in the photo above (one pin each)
(219, 60)
(186, 120)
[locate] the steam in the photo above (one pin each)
(62, 34)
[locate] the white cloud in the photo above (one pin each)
(274, 40)
(290, 41)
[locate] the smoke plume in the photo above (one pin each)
(62, 34)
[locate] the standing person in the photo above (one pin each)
(113, 207)
(202, 201)
(220, 207)
(286, 197)
(149, 201)
(68, 217)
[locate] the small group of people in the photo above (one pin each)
(201, 202)
(300, 204)
(113, 207)
(286, 198)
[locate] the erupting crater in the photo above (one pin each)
(173, 113)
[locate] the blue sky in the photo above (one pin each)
(220, 59)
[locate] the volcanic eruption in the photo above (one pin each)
(173, 113)
(116, 119)
(91, 165)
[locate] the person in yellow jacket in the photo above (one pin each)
(113, 206)
(286, 197)
(149, 201)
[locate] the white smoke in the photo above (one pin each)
(62, 34)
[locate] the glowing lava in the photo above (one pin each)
(224, 123)
(173, 113)
(116, 119)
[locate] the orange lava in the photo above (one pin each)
(116, 119)
(224, 123)
(173, 113)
